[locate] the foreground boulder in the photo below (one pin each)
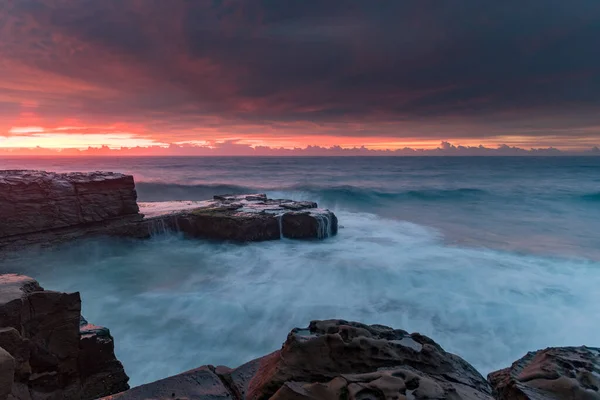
(252, 217)
(558, 373)
(55, 354)
(333, 359)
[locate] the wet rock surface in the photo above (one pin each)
(333, 359)
(43, 209)
(252, 217)
(558, 373)
(52, 357)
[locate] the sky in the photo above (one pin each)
(272, 76)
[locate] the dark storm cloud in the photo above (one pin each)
(529, 63)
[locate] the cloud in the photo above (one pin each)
(206, 70)
(234, 148)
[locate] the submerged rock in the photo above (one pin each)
(553, 373)
(250, 217)
(53, 357)
(333, 359)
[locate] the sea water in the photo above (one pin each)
(491, 257)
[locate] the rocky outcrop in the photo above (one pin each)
(241, 218)
(7, 372)
(54, 355)
(34, 201)
(558, 373)
(43, 208)
(333, 359)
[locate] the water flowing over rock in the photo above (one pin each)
(557, 373)
(251, 217)
(54, 354)
(46, 208)
(333, 359)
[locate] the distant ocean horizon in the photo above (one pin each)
(490, 256)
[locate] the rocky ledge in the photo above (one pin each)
(334, 360)
(250, 217)
(45, 208)
(48, 351)
(341, 360)
(553, 373)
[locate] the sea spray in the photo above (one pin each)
(174, 304)
(324, 224)
(280, 223)
(157, 226)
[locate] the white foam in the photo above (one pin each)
(175, 304)
(158, 208)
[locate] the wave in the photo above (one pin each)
(593, 197)
(347, 194)
(154, 191)
(376, 271)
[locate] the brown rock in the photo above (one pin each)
(100, 371)
(13, 290)
(569, 373)
(20, 348)
(241, 218)
(198, 384)
(44, 209)
(34, 201)
(7, 371)
(299, 225)
(41, 331)
(332, 360)
(331, 349)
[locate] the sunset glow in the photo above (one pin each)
(203, 75)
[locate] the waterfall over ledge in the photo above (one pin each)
(251, 217)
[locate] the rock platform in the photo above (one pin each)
(251, 217)
(47, 208)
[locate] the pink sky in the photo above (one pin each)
(143, 74)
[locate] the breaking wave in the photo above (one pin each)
(345, 194)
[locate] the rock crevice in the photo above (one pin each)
(55, 353)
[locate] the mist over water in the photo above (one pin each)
(491, 258)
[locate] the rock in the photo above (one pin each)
(198, 384)
(358, 353)
(100, 370)
(52, 359)
(40, 208)
(243, 218)
(34, 201)
(7, 372)
(19, 348)
(553, 373)
(333, 360)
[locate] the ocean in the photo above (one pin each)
(490, 256)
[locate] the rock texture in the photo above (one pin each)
(43, 209)
(333, 359)
(34, 201)
(244, 218)
(55, 356)
(559, 373)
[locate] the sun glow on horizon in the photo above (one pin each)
(73, 138)
(49, 140)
